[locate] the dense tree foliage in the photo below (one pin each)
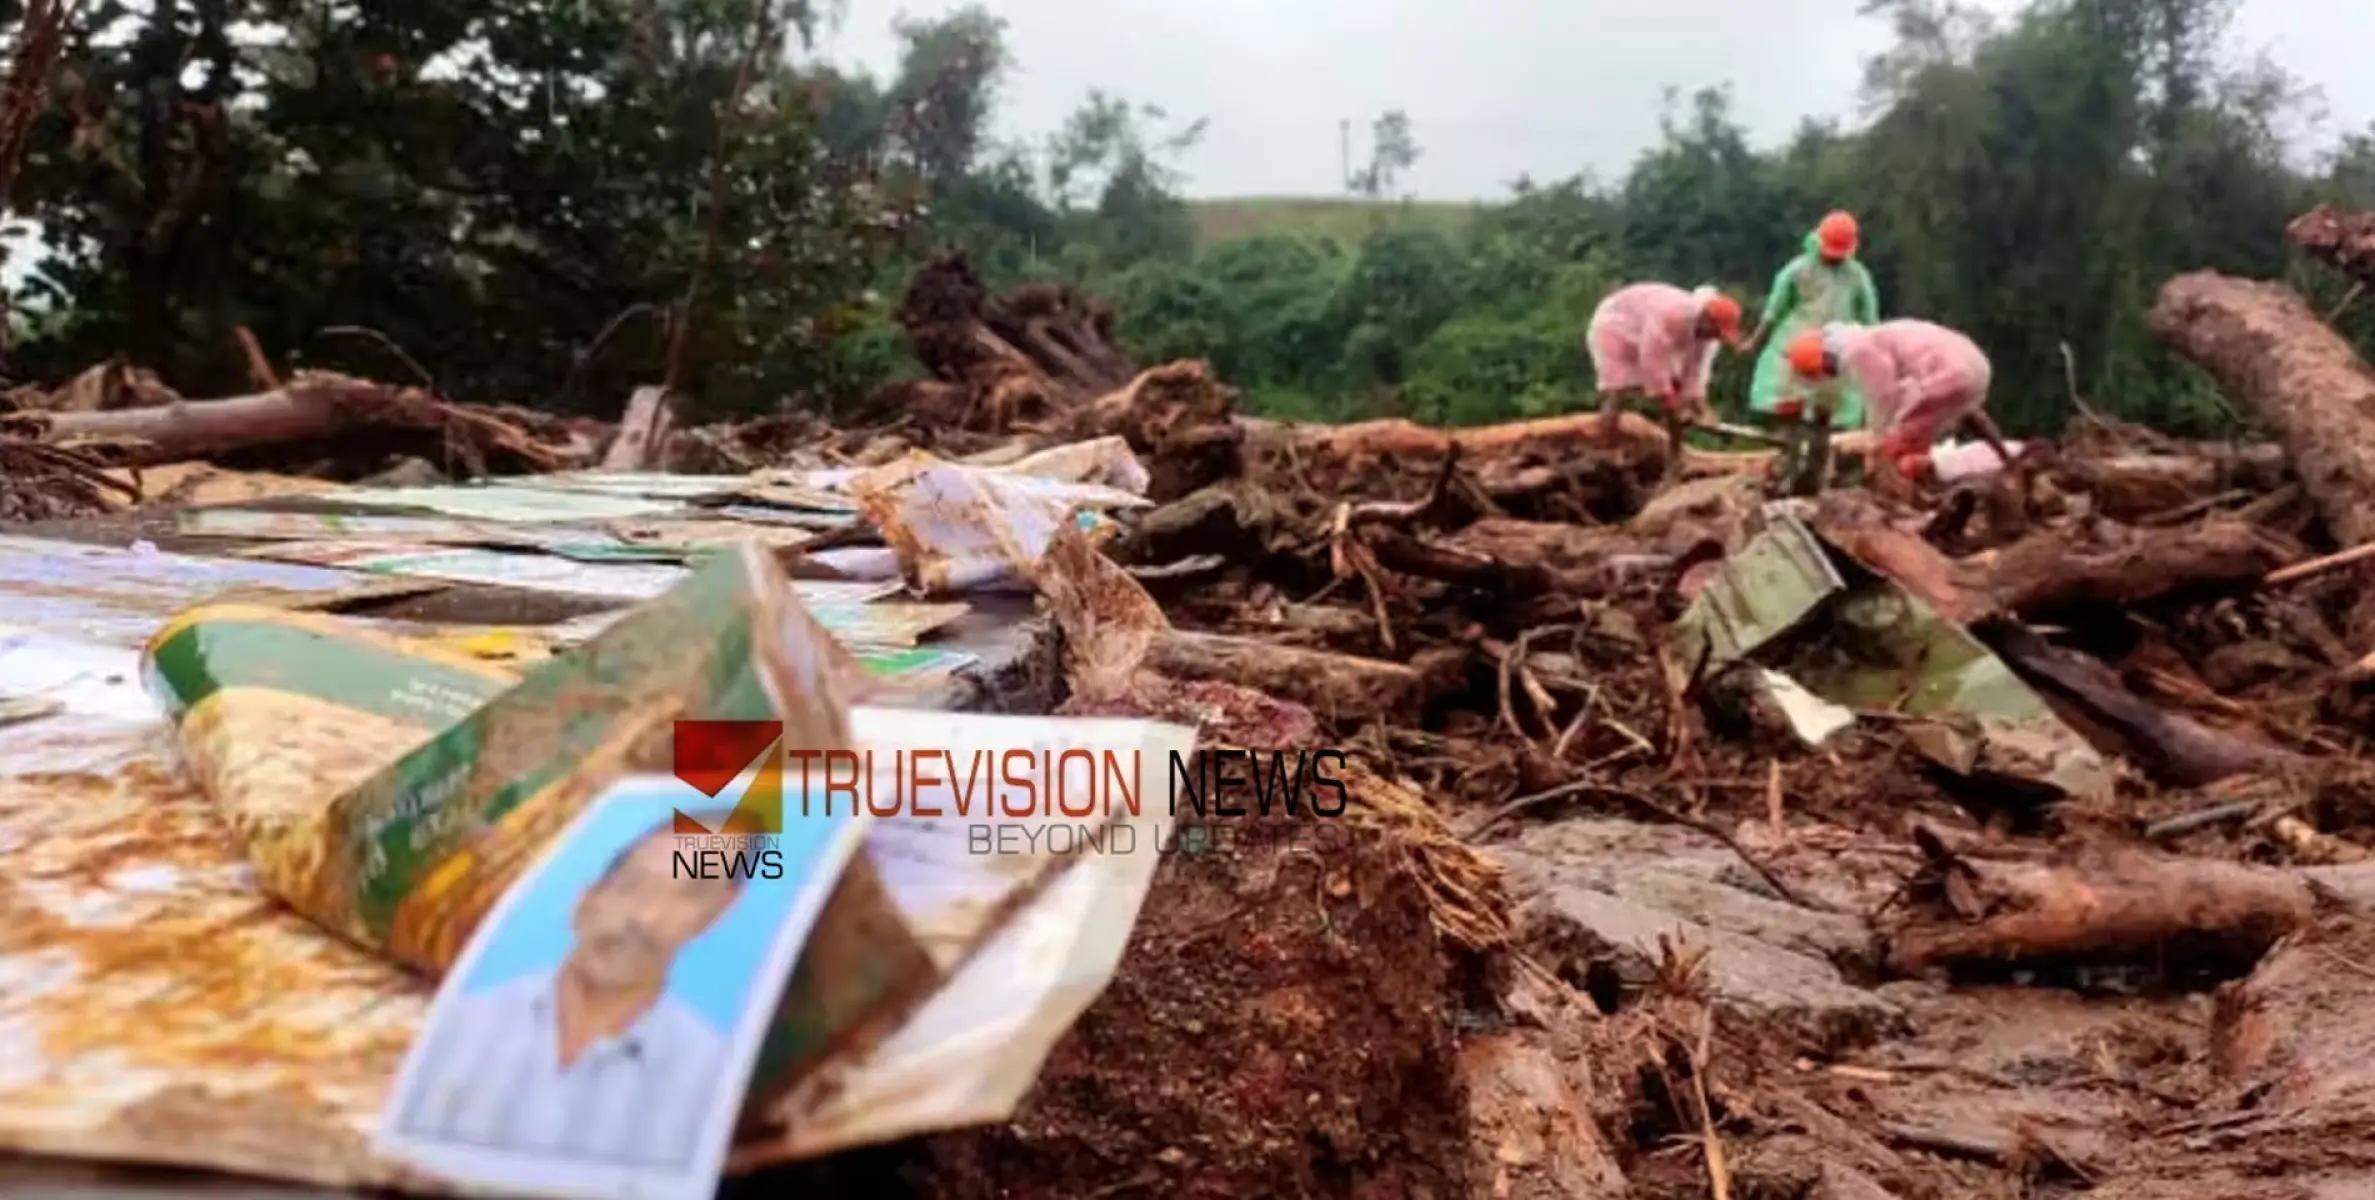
(532, 198)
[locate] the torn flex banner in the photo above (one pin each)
(413, 800)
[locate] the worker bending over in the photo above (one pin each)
(1659, 339)
(1919, 379)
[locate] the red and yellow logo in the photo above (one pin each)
(711, 755)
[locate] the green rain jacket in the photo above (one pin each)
(1807, 294)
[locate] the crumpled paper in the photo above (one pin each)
(958, 528)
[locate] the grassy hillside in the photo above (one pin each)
(1347, 219)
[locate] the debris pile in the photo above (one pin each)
(2012, 837)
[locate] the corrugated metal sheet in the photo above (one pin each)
(1777, 580)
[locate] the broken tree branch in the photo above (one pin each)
(2089, 695)
(2123, 906)
(313, 406)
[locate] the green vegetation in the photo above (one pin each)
(529, 197)
(1345, 220)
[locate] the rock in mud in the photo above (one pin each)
(1597, 896)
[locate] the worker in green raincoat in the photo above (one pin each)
(1822, 285)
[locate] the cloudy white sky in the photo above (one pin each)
(1494, 88)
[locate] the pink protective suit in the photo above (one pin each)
(1919, 379)
(1645, 336)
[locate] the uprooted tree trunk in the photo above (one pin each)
(313, 407)
(1117, 640)
(1002, 362)
(2123, 907)
(2267, 348)
(1179, 418)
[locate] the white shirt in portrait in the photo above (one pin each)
(492, 1079)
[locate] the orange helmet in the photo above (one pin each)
(1808, 357)
(1723, 313)
(1836, 235)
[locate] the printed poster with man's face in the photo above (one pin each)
(595, 1040)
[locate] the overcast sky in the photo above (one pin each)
(1494, 88)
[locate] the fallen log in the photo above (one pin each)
(2100, 908)
(2268, 349)
(2046, 573)
(314, 406)
(1555, 546)
(1237, 519)
(2133, 487)
(1695, 462)
(1116, 637)
(2340, 237)
(2089, 695)
(1315, 625)
(1545, 440)
(1506, 460)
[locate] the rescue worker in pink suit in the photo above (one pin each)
(1658, 339)
(1919, 380)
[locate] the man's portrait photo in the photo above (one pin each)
(596, 1023)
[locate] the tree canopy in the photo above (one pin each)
(537, 202)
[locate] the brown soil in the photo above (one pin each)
(1281, 1026)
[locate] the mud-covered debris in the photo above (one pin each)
(1281, 1026)
(41, 482)
(2340, 236)
(1866, 644)
(2186, 917)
